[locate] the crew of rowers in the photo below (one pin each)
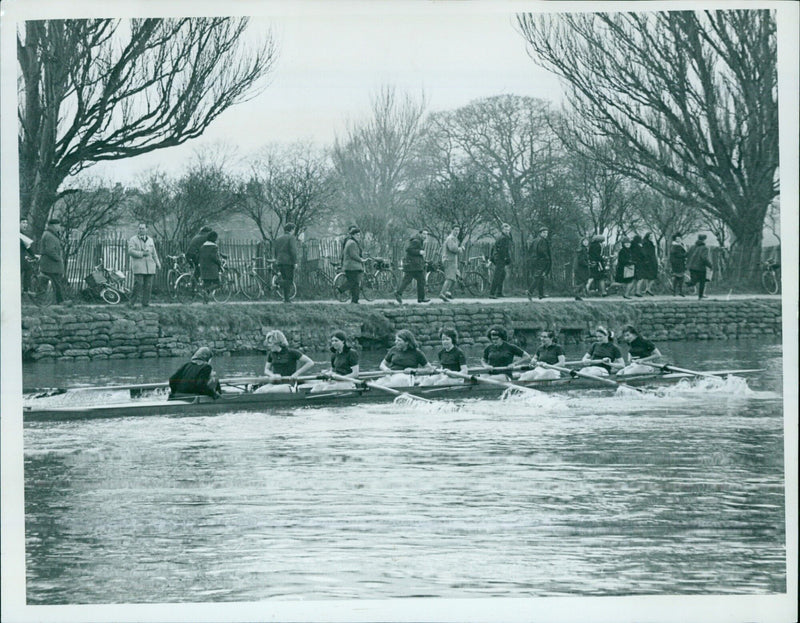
(501, 360)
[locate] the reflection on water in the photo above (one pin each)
(679, 491)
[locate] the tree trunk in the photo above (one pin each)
(745, 261)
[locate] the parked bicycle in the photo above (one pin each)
(42, 292)
(180, 266)
(187, 286)
(771, 277)
(262, 278)
(468, 282)
(377, 280)
(106, 284)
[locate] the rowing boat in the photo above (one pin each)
(302, 397)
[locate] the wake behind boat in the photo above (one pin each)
(148, 399)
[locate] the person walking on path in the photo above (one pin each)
(580, 269)
(210, 264)
(353, 263)
(144, 264)
(51, 262)
(287, 254)
(500, 257)
(450, 250)
(542, 263)
(597, 265)
(626, 269)
(649, 269)
(414, 268)
(677, 264)
(698, 262)
(637, 256)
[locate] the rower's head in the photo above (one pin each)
(405, 339)
(547, 337)
(497, 334)
(449, 337)
(629, 333)
(601, 334)
(338, 341)
(204, 354)
(275, 340)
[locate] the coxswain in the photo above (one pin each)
(195, 377)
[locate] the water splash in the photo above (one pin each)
(409, 402)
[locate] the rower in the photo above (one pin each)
(344, 358)
(640, 351)
(603, 354)
(282, 361)
(405, 355)
(451, 357)
(499, 353)
(195, 377)
(548, 352)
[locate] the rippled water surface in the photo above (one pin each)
(674, 492)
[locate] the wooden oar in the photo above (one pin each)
(383, 388)
(586, 375)
(483, 379)
(672, 368)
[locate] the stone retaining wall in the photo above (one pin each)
(96, 333)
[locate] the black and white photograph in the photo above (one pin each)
(399, 311)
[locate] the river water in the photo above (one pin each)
(677, 491)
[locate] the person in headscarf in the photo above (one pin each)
(195, 377)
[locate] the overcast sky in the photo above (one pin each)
(331, 62)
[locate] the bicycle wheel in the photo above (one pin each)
(224, 290)
(475, 284)
(384, 282)
(251, 286)
(185, 287)
(172, 279)
(434, 281)
(368, 288)
(316, 284)
(110, 296)
(43, 291)
(340, 290)
(769, 280)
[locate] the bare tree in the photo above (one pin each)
(376, 161)
(94, 90)
(288, 185)
(688, 101)
(87, 208)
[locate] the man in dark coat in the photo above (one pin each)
(51, 262)
(500, 257)
(287, 254)
(194, 248)
(541, 264)
(414, 267)
(196, 377)
(698, 262)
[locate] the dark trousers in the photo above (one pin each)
(698, 277)
(408, 277)
(142, 284)
(27, 274)
(499, 276)
(287, 279)
(57, 279)
(353, 284)
(677, 284)
(537, 284)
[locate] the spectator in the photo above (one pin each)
(542, 263)
(698, 262)
(26, 254)
(677, 264)
(450, 251)
(580, 268)
(414, 267)
(52, 262)
(144, 264)
(194, 248)
(637, 256)
(210, 264)
(649, 269)
(597, 265)
(500, 257)
(287, 254)
(353, 263)
(626, 268)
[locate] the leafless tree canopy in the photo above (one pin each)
(93, 90)
(687, 100)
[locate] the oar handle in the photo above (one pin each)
(589, 376)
